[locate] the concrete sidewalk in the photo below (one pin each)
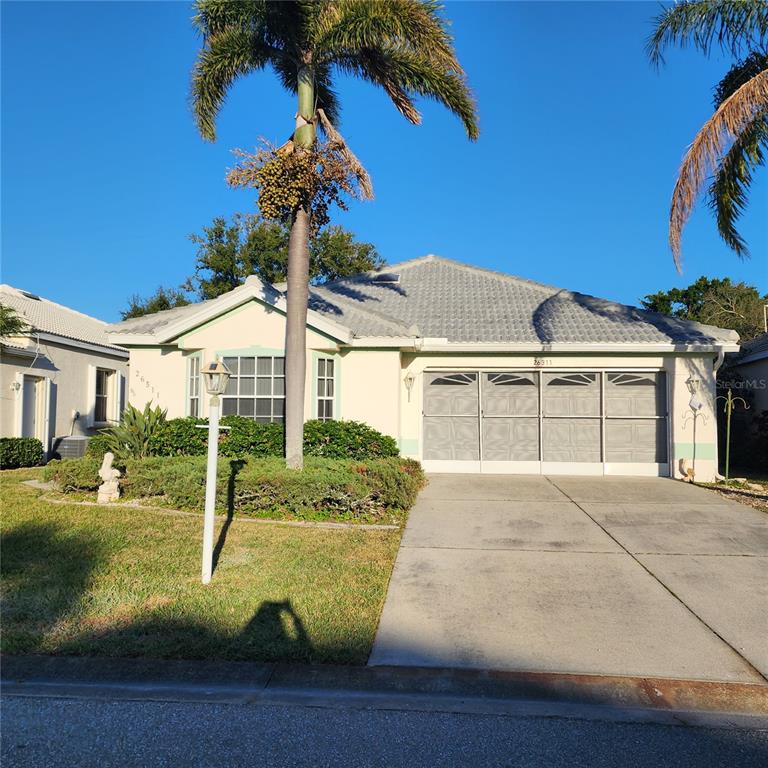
(606, 576)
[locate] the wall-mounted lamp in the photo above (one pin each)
(693, 383)
(409, 381)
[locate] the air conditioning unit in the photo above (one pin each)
(72, 447)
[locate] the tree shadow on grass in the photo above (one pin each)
(45, 570)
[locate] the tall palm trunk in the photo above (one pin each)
(298, 290)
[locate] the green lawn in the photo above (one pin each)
(126, 582)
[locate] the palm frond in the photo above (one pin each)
(732, 118)
(404, 75)
(214, 16)
(351, 26)
(337, 143)
(728, 190)
(738, 74)
(736, 26)
(225, 56)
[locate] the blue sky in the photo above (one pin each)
(104, 175)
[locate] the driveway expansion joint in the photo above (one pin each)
(746, 661)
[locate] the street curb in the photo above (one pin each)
(626, 699)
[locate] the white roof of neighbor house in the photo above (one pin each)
(45, 316)
(439, 299)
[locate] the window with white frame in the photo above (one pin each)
(193, 386)
(325, 388)
(104, 394)
(256, 388)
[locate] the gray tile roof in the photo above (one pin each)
(48, 317)
(755, 349)
(440, 298)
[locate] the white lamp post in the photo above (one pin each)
(215, 376)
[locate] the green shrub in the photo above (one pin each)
(180, 437)
(20, 452)
(262, 487)
(346, 440)
(131, 438)
(246, 437)
(74, 474)
(98, 445)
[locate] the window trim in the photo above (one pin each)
(108, 396)
(317, 397)
(197, 360)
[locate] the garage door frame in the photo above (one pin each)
(602, 467)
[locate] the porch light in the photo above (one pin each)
(216, 375)
(693, 383)
(409, 381)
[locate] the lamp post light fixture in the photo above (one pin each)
(409, 381)
(215, 375)
(693, 383)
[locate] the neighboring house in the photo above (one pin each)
(470, 370)
(752, 365)
(62, 378)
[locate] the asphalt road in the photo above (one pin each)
(46, 732)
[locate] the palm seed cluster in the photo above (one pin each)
(288, 179)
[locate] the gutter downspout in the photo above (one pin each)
(719, 360)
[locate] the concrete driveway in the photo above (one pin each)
(615, 576)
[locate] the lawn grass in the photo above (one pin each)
(104, 581)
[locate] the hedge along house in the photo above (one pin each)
(470, 370)
(61, 380)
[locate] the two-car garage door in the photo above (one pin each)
(595, 422)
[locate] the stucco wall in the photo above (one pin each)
(67, 368)
(159, 374)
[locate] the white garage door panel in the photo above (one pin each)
(451, 438)
(511, 439)
(572, 440)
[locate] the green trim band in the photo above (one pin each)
(703, 451)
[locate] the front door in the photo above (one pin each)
(31, 406)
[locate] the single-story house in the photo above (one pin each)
(62, 379)
(469, 369)
(752, 365)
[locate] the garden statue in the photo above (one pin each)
(109, 490)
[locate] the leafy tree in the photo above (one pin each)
(731, 144)
(402, 46)
(230, 251)
(162, 298)
(737, 306)
(11, 323)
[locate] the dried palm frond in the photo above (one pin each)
(336, 141)
(727, 124)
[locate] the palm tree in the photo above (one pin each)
(402, 46)
(730, 145)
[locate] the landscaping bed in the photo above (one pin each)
(122, 581)
(371, 491)
(753, 493)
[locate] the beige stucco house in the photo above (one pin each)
(62, 379)
(752, 364)
(470, 370)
